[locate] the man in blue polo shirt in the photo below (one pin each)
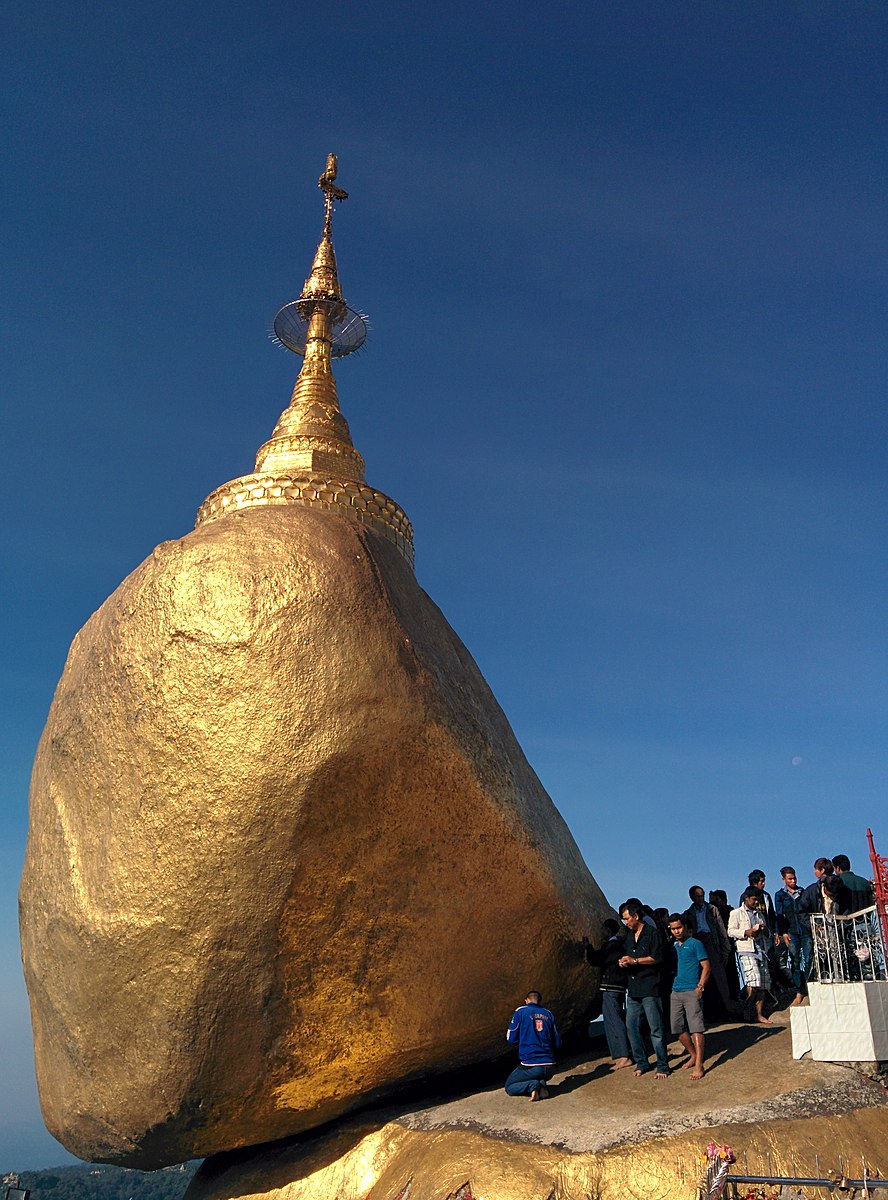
(534, 1031)
(685, 1009)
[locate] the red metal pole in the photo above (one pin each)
(880, 883)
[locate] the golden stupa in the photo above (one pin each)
(309, 458)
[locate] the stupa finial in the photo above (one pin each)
(330, 190)
(310, 457)
(323, 282)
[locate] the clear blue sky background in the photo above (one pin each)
(625, 265)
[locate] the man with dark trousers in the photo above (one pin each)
(535, 1033)
(794, 927)
(642, 962)
(613, 993)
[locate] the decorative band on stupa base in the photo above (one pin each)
(346, 497)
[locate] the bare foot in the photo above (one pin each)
(535, 1094)
(764, 1021)
(690, 1064)
(799, 998)
(662, 1075)
(620, 1063)
(698, 1073)
(638, 1072)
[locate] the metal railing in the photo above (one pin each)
(739, 1186)
(719, 1183)
(849, 949)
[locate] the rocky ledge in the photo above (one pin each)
(602, 1134)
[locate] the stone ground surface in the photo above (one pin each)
(601, 1136)
(751, 1076)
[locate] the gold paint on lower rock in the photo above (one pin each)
(377, 1165)
(285, 852)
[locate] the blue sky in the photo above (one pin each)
(625, 268)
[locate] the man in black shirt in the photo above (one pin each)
(862, 891)
(642, 962)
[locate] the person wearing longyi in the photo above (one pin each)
(749, 929)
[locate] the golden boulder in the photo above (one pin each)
(285, 851)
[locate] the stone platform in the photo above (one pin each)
(844, 1022)
(601, 1134)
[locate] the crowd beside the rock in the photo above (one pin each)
(709, 962)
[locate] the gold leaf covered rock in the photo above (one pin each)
(285, 850)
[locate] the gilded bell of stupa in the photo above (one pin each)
(285, 853)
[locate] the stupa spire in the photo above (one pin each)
(311, 444)
(323, 282)
(312, 428)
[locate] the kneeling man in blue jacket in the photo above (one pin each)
(534, 1031)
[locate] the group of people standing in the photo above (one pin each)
(652, 958)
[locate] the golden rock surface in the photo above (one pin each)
(603, 1135)
(285, 851)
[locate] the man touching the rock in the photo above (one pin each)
(535, 1033)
